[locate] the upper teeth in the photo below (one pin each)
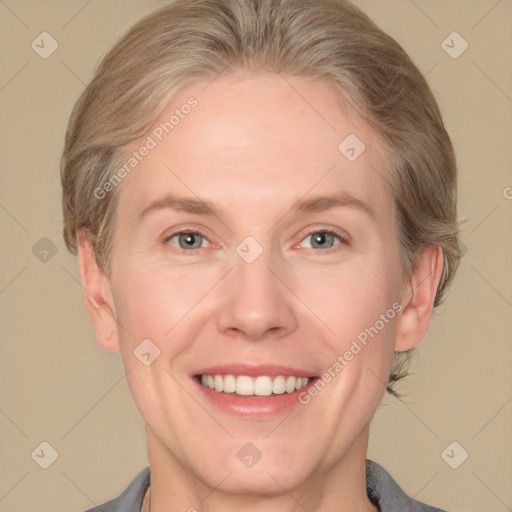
(259, 386)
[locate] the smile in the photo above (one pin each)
(246, 385)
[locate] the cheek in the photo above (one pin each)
(152, 301)
(153, 305)
(350, 298)
(359, 305)
(163, 305)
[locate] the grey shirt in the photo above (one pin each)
(382, 490)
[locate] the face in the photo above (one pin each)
(259, 257)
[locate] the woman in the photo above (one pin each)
(262, 196)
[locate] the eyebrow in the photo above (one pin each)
(326, 202)
(310, 205)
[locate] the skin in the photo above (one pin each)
(253, 146)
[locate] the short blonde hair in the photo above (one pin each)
(329, 40)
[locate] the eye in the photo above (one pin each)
(324, 239)
(187, 240)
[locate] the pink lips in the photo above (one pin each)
(253, 370)
(252, 407)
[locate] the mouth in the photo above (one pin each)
(246, 385)
(257, 392)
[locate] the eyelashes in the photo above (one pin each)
(319, 237)
(320, 240)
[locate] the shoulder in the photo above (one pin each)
(130, 500)
(388, 495)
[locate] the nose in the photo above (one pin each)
(255, 304)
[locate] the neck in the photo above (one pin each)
(340, 486)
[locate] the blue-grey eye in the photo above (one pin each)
(188, 240)
(323, 240)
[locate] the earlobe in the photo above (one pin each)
(98, 295)
(418, 298)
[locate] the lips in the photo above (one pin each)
(249, 390)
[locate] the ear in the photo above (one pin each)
(418, 298)
(98, 294)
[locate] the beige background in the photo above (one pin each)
(58, 386)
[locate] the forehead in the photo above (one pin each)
(249, 138)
